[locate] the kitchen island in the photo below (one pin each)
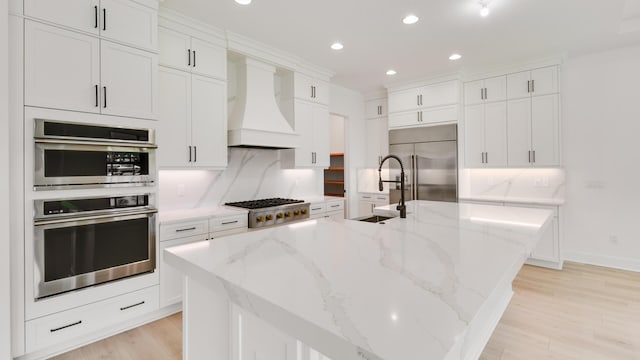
(431, 286)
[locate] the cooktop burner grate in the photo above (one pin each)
(264, 203)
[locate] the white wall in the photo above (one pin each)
(5, 284)
(350, 104)
(602, 156)
(336, 126)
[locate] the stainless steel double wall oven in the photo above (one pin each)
(84, 241)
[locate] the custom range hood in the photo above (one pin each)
(256, 120)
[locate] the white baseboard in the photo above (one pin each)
(629, 264)
(556, 265)
(103, 334)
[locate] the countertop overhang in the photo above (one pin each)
(407, 289)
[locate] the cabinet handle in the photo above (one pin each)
(486, 92)
(97, 96)
(481, 94)
(66, 326)
(194, 58)
(95, 14)
(335, 206)
(316, 209)
(189, 57)
(186, 229)
(195, 154)
(189, 153)
(230, 222)
(529, 156)
(131, 306)
(528, 86)
(534, 156)
(311, 88)
(366, 197)
(104, 89)
(533, 86)
(486, 157)
(104, 19)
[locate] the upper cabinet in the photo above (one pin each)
(425, 105)
(72, 71)
(375, 108)
(487, 90)
(188, 53)
(311, 89)
(377, 140)
(129, 22)
(543, 81)
(312, 124)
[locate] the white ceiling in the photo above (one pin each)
(376, 40)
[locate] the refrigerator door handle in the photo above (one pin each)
(415, 177)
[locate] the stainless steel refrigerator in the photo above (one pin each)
(430, 159)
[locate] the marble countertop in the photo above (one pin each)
(515, 200)
(407, 289)
(173, 216)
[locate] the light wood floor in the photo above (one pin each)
(583, 312)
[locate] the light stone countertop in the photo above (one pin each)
(174, 216)
(515, 200)
(404, 290)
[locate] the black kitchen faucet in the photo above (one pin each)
(402, 207)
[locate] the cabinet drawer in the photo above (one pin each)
(374, 197)
(317, 208)
(335, 206)
(72, 324)
(184, 229)
(228, 222)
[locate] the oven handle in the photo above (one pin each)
(98, 143)
(94, 217)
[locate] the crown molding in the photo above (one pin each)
(177, 21)
(423, 81)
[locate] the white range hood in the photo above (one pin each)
(256, 120)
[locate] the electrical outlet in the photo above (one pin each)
(180, 190)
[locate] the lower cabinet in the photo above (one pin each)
(170, 278)
(367, 202)
(333, 209)
(82, 321)
(254, 339)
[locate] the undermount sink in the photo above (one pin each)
(375, 219)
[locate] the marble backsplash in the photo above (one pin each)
(251, 174)
(513, 183)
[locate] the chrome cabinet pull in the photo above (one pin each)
(66, 326)
(186, 229)
(418, 100)
(131, 306)
(486, 94)
(486, 157)
(481, 94)
(311, 87)
(534, 156)
(335, 206)
(529, 156)
(533, 86)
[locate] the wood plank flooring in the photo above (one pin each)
(583, 312)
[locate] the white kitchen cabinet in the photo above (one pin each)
(170, 278)
(434, 95)
(424, 117)
(486, 90)
(254, 339)
(124, 21)
(486, 135)
(62, 68)
(367, 202)
(71, 71)
(312, 124)
(192, 126)
(184, 52)
(311, 89)
(375, 108)
(377, 141)
(547, 253)
(533, 131)
(79, 15)
(538, 82)
(129, 79)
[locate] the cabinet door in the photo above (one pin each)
(544, 81)
(129, 76)
(208, 59)
(495, 133)
(375, 108)
(171, 279)
(474, 135)
(304, 127)
(321, 136)
(496, 88)
(255, 339)
(404, 100)
(404, 119)
(209, 121)
(174, 49)
(79, 15)
(129, 22)
(377, 141)
(174, 118)
(473, 92)
(548, 247)
(303, 87)
(365, 208)
(321, 92)
(441, 94)
(544, 130)
(61, 68)
(518, 85)
(519, 132)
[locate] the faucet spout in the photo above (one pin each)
(402, 206)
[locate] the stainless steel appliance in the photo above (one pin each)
(267, 212)
(430, 158)
(81, 242)
(84, 155)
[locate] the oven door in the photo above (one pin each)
(74, 253)
(64, 164)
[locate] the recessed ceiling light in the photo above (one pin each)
(410, 19)
(391, 72)
(455, 57)
(337, 46)
(484, 12)
(243, 2)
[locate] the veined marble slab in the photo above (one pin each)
(409, 289)
(515, 200)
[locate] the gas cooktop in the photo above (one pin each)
(267, 212)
